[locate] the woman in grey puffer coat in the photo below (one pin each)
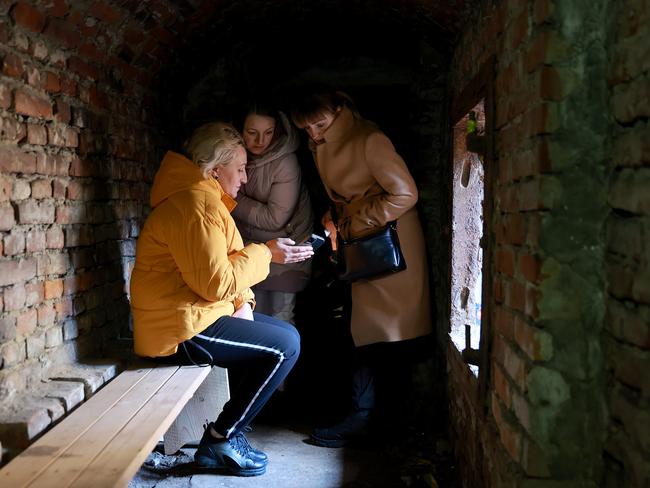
(274, 203)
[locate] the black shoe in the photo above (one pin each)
(254, 453)
(233, 455)
(354, 427)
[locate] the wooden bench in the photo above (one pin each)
(104, 442)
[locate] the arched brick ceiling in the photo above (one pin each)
(139, 37)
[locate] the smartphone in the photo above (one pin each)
(314, 240)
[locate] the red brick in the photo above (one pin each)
(59, 188)
(11, 130)
(133, 34)
(81, 167)
(543, 118)
(33, 293)
(27, 322)
(7, 329)
(7, 219)
(534, 460)
(518, 30)
(514, 229)
(13, 66)
(34, 77)
(502, 387)
(53, 289)
(63, 113)
(504, 323)
(36, 241)
(62, 136)
(33, 212)
(530, 267)
(530, 340)
(497, 289)
(550, 83)
(543, 11)
(46, 314)
(55, 238)
(529, 195)
(165, 37)
(51, 82)
(532, 301)
(105, 12)
(628, 323)
(57, 8)
(511, 440)
(14, 297)
(52, 264)
(27, 16)
(629, 365)
(97, 98)
(6, 185)
(13, 353)
(69, 86)
(508, 199)
(14, 244)
(547, 48)
(64, 308)
(505, 262)
(63, 32)
(52, 164)
(79, 66)
(79, 236)
(75, 190)
(32, 105)
(90, 51)
(516, 296)
(41, 189)
(36, 134)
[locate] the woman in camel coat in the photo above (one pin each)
(369, 185)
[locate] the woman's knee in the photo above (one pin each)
(290, 342)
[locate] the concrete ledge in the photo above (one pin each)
(31, 413)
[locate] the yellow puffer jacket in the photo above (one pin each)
(191, 266)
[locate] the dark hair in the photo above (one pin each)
(267, 110)
(310, 104)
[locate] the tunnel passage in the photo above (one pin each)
(93, 92)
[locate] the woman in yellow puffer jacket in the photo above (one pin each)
(190, 289)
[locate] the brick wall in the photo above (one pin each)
(627, 323)
(544, 421)
(78, 147)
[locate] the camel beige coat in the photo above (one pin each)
(370, 185)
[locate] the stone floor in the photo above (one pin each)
(421, 459)
(294, 463)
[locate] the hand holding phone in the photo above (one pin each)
(314, 240)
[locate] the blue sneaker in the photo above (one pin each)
(233, 455)
(254, 453)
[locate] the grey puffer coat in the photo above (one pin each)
(273, 203)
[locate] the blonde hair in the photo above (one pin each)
(213, 144)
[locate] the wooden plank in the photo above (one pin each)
(206, 404)
(35, 459)
(87, 446)
(129, 448)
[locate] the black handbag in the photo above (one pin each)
(371, 256)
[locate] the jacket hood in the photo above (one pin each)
(287, 143)
(176, 174)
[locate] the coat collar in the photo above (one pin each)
(341, 126)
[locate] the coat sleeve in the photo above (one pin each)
(201, 254)
(399, 194)
(274, 214)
